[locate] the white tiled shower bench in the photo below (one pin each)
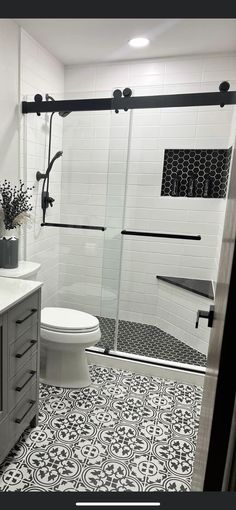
(20, 305)
(179, 300)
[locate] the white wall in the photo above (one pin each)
(151, 132)
(9, 97)
(41, 73)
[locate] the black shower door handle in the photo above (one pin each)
(160, 234)
(202, 314)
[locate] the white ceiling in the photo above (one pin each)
(91, 40)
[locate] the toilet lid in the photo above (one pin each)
(67, 319)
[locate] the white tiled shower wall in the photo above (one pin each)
(41, 73)
(78, 268)
(95, 143)
(142, 298)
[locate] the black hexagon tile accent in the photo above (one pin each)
(196, 172)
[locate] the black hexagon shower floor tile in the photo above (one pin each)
(147, 340)
(126, 432)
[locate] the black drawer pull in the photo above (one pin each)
(19, 321)
(32, 373)
(31, 402)
(21, 354)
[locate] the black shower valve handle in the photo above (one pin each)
(50, 201)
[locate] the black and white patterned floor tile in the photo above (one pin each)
(147, 340)
(126, 432)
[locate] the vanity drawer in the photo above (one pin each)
(23, 413)
(21, 350)
(22, 382)
(5, 439)
(23, 316)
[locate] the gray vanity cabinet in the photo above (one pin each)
(19, 370)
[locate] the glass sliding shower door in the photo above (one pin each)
(177, 174)
(95, 155)
(86, 140)
(136, 173)
(114, 219)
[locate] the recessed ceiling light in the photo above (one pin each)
(139, 42)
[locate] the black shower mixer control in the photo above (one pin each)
(47, 200)
(50, 201)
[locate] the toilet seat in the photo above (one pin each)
(68, 320)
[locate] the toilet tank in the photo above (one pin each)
(26, 270)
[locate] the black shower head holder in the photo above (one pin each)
(38, 99)
(49, 98)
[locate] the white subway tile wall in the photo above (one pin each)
(142, 298)
(41, 73)
(105, 154)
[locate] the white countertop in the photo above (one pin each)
(13, 290)
(25, 268)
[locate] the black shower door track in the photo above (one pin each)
(131, 103)
(196, 370)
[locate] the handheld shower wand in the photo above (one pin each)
(40, 176)
(46, 200)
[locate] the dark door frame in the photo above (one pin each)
(225, 395)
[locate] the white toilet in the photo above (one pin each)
(65, 334)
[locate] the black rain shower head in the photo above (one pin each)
(64, 114)
(40, 176)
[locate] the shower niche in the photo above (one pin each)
(196, 173)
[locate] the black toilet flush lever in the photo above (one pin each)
(202, 314)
